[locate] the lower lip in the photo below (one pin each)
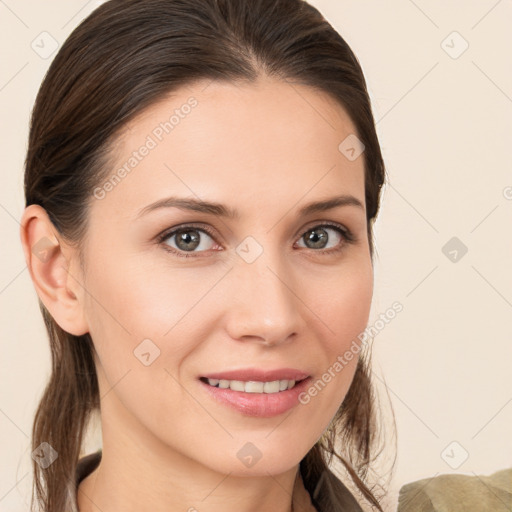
(262, 405)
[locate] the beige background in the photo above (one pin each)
(444, 122)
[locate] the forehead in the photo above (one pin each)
(246, 145)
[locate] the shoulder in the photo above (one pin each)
(458, 492)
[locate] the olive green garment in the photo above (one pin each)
(458, 493)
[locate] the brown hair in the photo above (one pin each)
(124, 57)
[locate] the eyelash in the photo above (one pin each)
(346, 234)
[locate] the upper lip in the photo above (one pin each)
(259, 374)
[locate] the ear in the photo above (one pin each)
(54, 269)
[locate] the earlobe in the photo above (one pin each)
(54, 270)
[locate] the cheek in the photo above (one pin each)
(136, 317)
(344, 303)
(140, 314)
(141, 300)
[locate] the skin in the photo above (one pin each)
(265, 149)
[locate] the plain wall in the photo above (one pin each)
(444, 120)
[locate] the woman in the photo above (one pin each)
(201, 183)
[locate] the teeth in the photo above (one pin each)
(252, 386)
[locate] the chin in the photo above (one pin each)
(249, 461)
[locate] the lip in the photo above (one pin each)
(259, 374)
(261, 405)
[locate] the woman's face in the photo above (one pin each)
(268, 289)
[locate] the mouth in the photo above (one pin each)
(253, 386)
(258, 393)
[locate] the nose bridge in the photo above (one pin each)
(266, 306)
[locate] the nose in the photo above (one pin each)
(263, 303)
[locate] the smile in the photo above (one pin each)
(250, 386)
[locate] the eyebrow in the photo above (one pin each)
(220, 210)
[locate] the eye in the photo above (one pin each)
(188, 238)
(318, 236)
